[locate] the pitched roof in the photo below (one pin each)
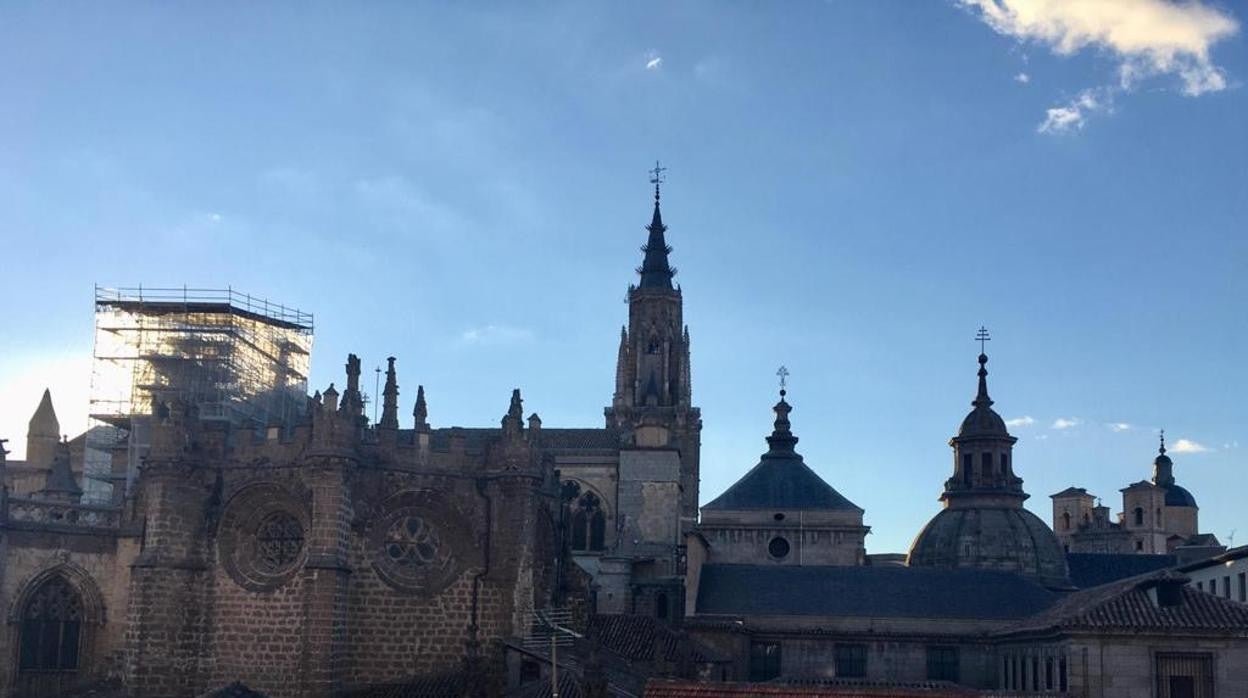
(888, 591)
(668, 688)
(634, 637)
(1071, 490)
(445, 685)
(1126, 606)
(551, 439)
(1094, 569)
(781, 480)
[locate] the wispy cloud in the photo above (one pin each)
(1024, 421)
(494, 335)
(1022, 78)
(1146, 38)
(1119, 427)
(1189, 446)
(1074, 114)
(1066, 423)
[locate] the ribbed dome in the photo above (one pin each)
(1005, 538)
(982, 421)
(1177, 496)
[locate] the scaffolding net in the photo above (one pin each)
(233, 357)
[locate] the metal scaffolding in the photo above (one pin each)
(234, 357)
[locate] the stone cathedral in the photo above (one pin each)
(327, 556)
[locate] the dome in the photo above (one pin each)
(982, 421)
(1009, 539)
(1179, 497)
(1162, 459)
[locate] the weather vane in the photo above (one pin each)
(784, 378)
(982, 337)
(656, 178)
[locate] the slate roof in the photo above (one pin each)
(668, 688)
(634, 637)
(234, 690)
(781, 480)
(891, 592)
(1094, 569)
(1125, 606)
(1177, 496)
(449, 685)
(551, 439)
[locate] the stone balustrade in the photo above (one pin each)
(41, 511)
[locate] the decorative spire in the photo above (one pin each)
(421, 410)
(1162, 449)
(782, 439)
(513, 421)
(655, 270)
(390, 395)
(981, 397)
(352, 401)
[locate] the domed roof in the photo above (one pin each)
(1009, 539)
(1177, 496)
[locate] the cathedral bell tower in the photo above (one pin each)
(652, 405)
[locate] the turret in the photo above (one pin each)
(390, 403)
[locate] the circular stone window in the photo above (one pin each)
(261, 538)
(778, 547)
(419, 544)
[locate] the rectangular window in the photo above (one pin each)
(1243, 586)
(1184, 675)
(851, 660)
(1200, 586)
(1226, 586)
(942, 664)
(764, 661)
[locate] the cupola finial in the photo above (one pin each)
(981, 396)
(1162, 449)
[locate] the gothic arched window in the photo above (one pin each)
(51, 629)
(589, 524)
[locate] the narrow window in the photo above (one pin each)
(1243, 586)
(985, 465)
(1139, 546)
(598, 531)
(764, 661)
(1139, 516)
(1200, 586)
(1065, 521)
(967, 468)
(1061, 675)
(1048, 673)
(660, 606)
(851, 660)
(1005, 463)
(942, 664)
(1226, 586)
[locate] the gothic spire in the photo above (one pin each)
(656, 272)
(421, 410)
(44, 422)
(390, 398)
(981, 397)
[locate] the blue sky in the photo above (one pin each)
(854, 188)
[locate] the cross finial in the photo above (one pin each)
(656, 178)
(982, 337)
(783, 373)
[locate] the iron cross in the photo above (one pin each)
(656, 175)
(982, 336)
(784, 376)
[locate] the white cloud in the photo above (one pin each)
(1023, 421)
(1074, 114)
(1119, 427)
(1022, 78)
(1189, 446)
(654, 62)
(1146, 37)
(491, 335)
(1066, 422)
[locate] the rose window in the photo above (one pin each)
(410, 542)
